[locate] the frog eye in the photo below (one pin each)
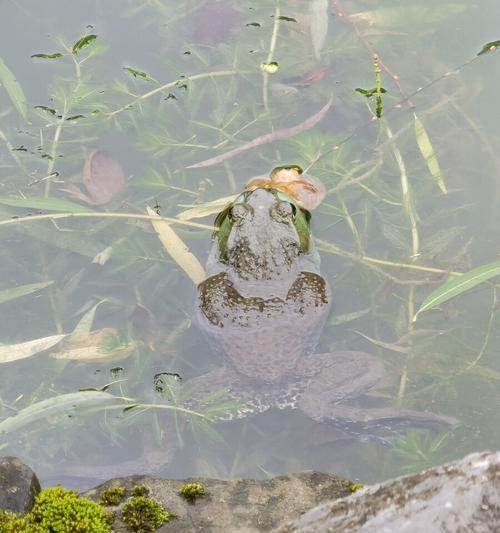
(239, 212)
(283, 210)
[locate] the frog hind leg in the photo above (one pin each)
(226, 385)
(335, 378)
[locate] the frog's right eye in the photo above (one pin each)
(239, 213)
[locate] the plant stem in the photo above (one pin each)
(270, 55)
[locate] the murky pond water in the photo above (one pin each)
(105, 105)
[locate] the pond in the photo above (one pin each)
(114, 113)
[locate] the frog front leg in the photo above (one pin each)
(333, 379)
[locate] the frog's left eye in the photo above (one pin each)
(283, 210)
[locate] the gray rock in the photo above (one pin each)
(18, 485)
(243, 506)
(463, 496)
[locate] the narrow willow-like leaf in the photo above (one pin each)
(62, 405)
(177, 249)
(458, 285)
(136, 73)
(81, 43)
(206, 209)
(46, 109)
(424, 143)
(22, 290)
(318, 25)
(13, 89)
(47, 56)
(14, 352)
(40, 202)
(489, 47)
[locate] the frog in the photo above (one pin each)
(263, 307)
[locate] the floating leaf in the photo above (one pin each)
(424, 143)
(206, 209)
(14, 352)
(62, 405)
(46, 109)
(270, 67)
(22, 290)
(13, 89)
(40, 202)
(318, 25)
(177, 249)
(489, 47)
(47, 56)
(81, 43)
(458, 285)
(102, 176)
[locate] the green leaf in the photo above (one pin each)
(424, 143)
(286, 19)
(46, 109)
(40, 202)
(75, 117)
(136, 73)
(489, 47)
(13, 89)
(81, 43)
(458, 285)
(47, 56)
(270, 67)
(58, 406)
(22, 290)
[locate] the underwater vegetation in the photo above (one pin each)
(121, 137)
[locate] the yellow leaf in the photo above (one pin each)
(178, 251)
(206, 209)
(14, 352)
(424, 143)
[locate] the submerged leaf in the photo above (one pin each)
(102, 176)
(206, 209)
(137, 73)
(270, 67)
(458, 285)
(46, 109)
(14, 352)
(177, 249)
(40, 202)
(47, 56)
(22, 290)
(62, 405)
(277, 135)
(13, 89)
(424, 143)
(319, 25)
(489, 47)
(81, 43)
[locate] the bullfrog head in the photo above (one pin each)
(261, 235)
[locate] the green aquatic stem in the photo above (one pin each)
(13, 154)
(194, 77)
(54, 216)
(270, 56)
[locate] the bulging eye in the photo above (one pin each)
(283, 210)
(239, 212)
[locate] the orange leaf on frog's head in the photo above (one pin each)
(306, 190)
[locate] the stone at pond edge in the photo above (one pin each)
(243, 506)
(18, 485)
(463, 496)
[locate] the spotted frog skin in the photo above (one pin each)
(263, 307)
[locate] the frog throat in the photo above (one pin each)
(301, 221)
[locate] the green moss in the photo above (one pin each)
(192, 491)
(112, 495)
(140, 490)
(59, 510)
(143, 515)
(355, 486)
